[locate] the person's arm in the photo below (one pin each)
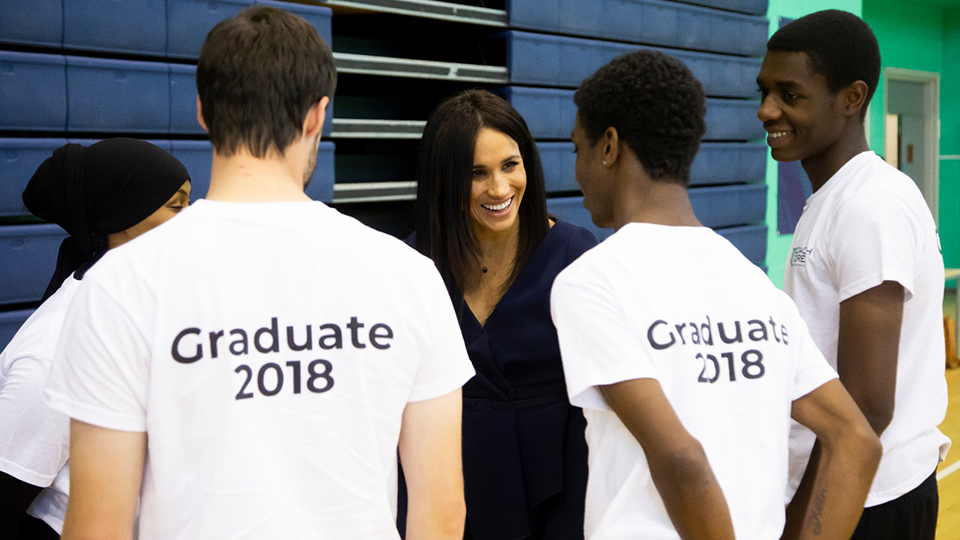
(106, 467)
(830, 498)
(678, 464)
(867, 350)
(430, 453)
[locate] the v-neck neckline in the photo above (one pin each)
(526, 265)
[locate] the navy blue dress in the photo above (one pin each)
(524, 452)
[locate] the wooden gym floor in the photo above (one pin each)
(948, 473)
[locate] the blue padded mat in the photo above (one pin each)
(729, 163)
(715, 163)
(19, 159)
(37, 22)
(117, 95)
(724, 206)
(183, 100)
(751, 240)
(132, 26)
(654, 22)
(197, 156)
(540, 59)
(34, 91)
(189, 21)
(550, 114)
(752, 7)
(29, 255)
(558, 166)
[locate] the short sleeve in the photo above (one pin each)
(34, 439)
(100, 374)
(444, 366)
(597, 346)
(874, 239)
(812, 369)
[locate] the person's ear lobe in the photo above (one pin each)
(611, 148)
(854, 97)
(313, 123)
(200, 116)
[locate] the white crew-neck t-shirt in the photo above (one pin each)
(35, 439)
(268, 350)
(869, 224)
(682, 306)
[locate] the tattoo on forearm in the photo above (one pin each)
(819, 502)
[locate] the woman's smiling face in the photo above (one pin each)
(499, 181)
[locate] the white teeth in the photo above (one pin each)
(778, 134)
(498, 207)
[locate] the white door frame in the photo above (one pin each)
(931, 113)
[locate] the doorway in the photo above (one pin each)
(912, 122)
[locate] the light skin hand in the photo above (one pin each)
(106, 467)
(678, 464)
(830, 498)
(430, 453)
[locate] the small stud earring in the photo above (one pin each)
(604, 163)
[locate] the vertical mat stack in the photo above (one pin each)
(399, 58)
(79, 71)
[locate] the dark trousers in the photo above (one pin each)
(912, 516)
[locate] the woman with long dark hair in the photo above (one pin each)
(482, 218)
(103, 195)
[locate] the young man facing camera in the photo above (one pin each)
(686, 360)
(252, 362)
(865, 267)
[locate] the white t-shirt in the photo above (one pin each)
(681, 305)
(869, 224)
(268, 350)
(35, 439)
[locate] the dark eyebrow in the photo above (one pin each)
(514, 157)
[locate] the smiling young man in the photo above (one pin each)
(687, 361)
(252, 369)
(865, 267)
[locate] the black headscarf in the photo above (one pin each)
(99, 190)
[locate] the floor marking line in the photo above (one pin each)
(948, 471)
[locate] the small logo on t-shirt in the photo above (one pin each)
(799, 256)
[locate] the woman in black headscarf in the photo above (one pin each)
(103, 196)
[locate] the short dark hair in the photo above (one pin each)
(656, 105)
(841, 47)
(444, 179)
(258, 75)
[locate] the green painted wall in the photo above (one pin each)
(950, 140)
(926, 39)
(778, 245)
(913, 37)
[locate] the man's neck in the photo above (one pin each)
(657, 202)
(245, 178)
(821, 167)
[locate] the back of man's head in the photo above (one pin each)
(656, 105)
(258, 75)
(841, 47)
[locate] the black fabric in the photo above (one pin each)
(524, 451)
(15, 497)
(911, 516)
(35, 529)
(98, 190)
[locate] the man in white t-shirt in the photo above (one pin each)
(258, 362)
(865, 267)
(687, 361)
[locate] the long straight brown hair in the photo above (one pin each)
(444, 178)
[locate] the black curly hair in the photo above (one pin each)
(841, 47)
(656, 105)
